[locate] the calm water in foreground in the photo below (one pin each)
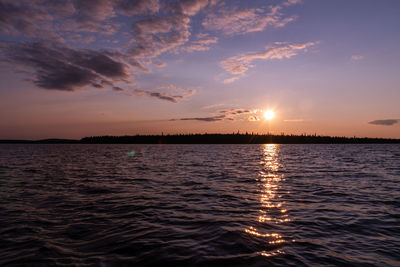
(206, 205)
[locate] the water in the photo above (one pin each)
(204, 205)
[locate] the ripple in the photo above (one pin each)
(205, 205)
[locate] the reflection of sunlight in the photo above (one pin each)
(271, 253)
(272, 211)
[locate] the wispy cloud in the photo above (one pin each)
(50, 27)
(118, 89)
(357, 57)
(240, 64)
(291, 2)
(209, 119)
(202, 44)
(230, 80)
(54, 32)
(160, 34)
(156, 35)
(232, 21)
(213, 106)
(191, 7)
(47, 17)
(387, 122)
(171, 96)
(232, 114)
(235, 111)
(160, 64)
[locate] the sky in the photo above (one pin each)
(75, 68)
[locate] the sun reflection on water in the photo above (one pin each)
(272, 211)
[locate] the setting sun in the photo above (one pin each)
(269, 114)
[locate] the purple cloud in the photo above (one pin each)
(233, 114)
(209, 119)
(388, 122)
(57, 67)
(168, 96)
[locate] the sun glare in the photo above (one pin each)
(269, 114)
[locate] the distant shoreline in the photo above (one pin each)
(211, 139)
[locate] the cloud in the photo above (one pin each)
(160, 34)
(56, 20)
(388, 122)
(242, 114)
(156, 35)
(168, 96)
(231, 80)
(202, 44)
(57, 67)
(357, 57)
(94, 10)
(213, 106)
(191, 7)
(234, 111)
(49, 35)
(160, 64)
(253, 118)
(52, 31)
(138, 7)
(233, 114)
(292, 2)
(16, 19)
(240, 64)
(209, 119)
(241, 21)
(118, 89)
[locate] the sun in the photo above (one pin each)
(269, 114)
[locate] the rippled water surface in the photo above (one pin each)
(205, 205)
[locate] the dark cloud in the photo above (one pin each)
(94, 16)
(213, 118)
(155, 27)
(157, 35)
(118, 89)
(136, 7)
(235, 111)
(174, 98)
(93, 10)
(77, 21)
(163, 96)
(17, 18)
(232, 114)
(58, 67)
(56, 20)
(387, 122)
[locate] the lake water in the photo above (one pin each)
(204, 205)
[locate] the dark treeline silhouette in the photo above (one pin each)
(43, 141)
(214, 139)
(232, 139)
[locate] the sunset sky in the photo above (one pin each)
(71, 69)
